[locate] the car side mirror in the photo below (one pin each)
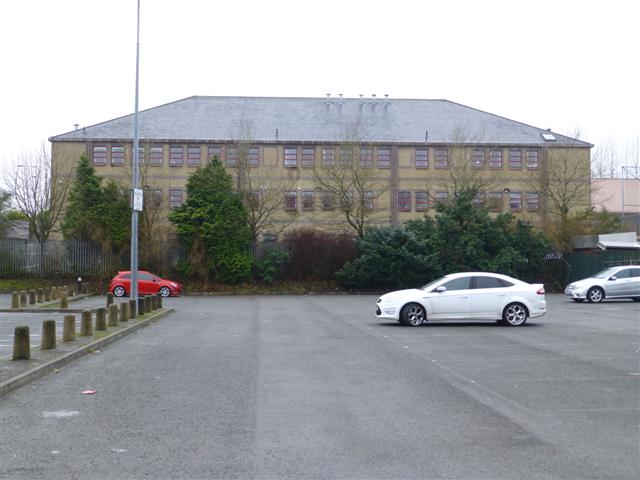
(612, 278)
(441, 289)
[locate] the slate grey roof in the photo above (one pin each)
(318, 120)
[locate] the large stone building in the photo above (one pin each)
(407, 154)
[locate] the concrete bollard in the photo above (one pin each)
(159, 301)
(32, 297)
(109, 299)
(113, 315)
(132, 309)
(147, 303)
(55, 293)
(141, 306)
(23, 298)
(86, 327)
(69, 328)
(48, 341)
(15, 300)
(21, 345)
(64, 302)
(40, 295)
(101, 320)
(65, 290)
(47, 294)
(124, 312)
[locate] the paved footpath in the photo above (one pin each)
(316, 387)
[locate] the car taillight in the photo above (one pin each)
(540, 291)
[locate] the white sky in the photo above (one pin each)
(558, 64)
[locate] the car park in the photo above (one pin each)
(148, 284)
(469, 295)
(622, 281)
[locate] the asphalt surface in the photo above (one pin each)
(317, 387)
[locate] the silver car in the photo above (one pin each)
(614, 282)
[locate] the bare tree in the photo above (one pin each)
(261, 187)
(39, 198)
(604, 161)
(466, 170)
(632, 157)
(348, 179)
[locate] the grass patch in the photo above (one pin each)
(16, 285)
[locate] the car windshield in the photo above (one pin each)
(428, 285)
(605, 273)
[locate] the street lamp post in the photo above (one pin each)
(135, 206)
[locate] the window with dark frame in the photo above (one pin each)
(175, 197)
(533, 201)
(441, 196)
(422, 158)
(515, 201)
(366, 157)
(214, 151)
(532, 159)
(291, 200)
(308, 156)
(478, 158)
(193, 156)
(308, 199)
(231, 157)
(515, 159)
(176, 156)
(495, 159)
(442, 158)
(404, 201)
(328, 201)
(290, 157)
(253, 156)
(384, 157)
(346, 201)
(155, 156)
(328, 157)
(495, 201)
(117, 156)
(422, 201)
(346, 156)
(99, 155)
(367, 200)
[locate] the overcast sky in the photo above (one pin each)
(558, 64)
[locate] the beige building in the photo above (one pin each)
(399, 156)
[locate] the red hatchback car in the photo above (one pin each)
(148, 284)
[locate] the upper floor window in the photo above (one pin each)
(140, 155)
(214, 151)
(515, 159)
(253, 156)
(175, 156)
(290, 156)
(291, 200)
(366, 157)
(346, 156)
(441, 196)
(495, 159)
(99, 155)
(384, 157)
(532, 159)
(117, 155)
(477, 159)
(193, 156)
(308, 199)
(404, 201)
(422, 158)
(533, 201)
(442, 158)
(175, 197)
(328, 157)
(346, 201)
(422, 201)
(515, 201)
(155, 156)
(308, 156)
(231, 157)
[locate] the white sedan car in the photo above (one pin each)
(615, 282)
(469, 295)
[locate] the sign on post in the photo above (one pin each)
(138, 199)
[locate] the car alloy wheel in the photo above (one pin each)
(413, 315)
(595, 295)
(165, 292)
(515, 314)
(119, 291)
